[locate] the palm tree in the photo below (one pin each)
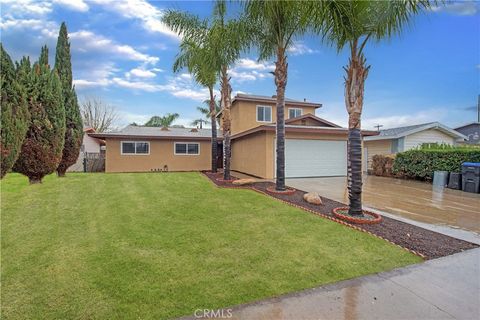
(193, 57)
(353, 24)
(206, 111)
(199, 122)
(165, 121)
(277, 23)
(222, 41)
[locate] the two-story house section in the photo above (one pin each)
(314, 147)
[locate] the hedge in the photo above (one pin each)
(420, 164)
(382, 165)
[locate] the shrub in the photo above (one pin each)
(420, 164)
(14, 122)
(382, 165)
(42, 148)
(73, 119)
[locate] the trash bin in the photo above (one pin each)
(471, 177)
(440, 178)
(455, 181)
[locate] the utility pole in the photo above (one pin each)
(478, 108)
(378, 126)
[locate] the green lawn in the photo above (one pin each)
(157, 246)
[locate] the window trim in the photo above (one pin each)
(301, 112)
(135, 153)
(256, 113)
(186, 143)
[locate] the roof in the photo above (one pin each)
(312, 117)
(399, 132)
(302, 129)
(273, 99)
(468, 124)
(158, 133)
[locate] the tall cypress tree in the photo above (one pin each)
(43, 145)
(73, 119)
(14, 113)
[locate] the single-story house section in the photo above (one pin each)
(314, 147)
(391, 141)
(471, 131)
(144, 149)
(89, 145)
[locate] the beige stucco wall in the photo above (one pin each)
(427, 136)
(244, 114)
(255, 154)
(376, 147)
(161, 154)
(249, 154)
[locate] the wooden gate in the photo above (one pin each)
(94, 162)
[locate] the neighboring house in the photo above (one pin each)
(89, 145)
(391, 141)
(471, 131)
(314, 147)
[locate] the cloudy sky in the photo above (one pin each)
(122, 53)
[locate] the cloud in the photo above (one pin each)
(149, 15)
(250, 70)
(76, 5)
(25, 7)
(141, 73)
(464, 8)
(301, 48)
(85, 41)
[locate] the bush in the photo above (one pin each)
(14, 111)
(43, 145)
(382, 165)
(420, 164)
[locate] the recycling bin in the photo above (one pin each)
(471, 177)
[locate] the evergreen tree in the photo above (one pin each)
(43, 145)
(14, 122)
(73, 119)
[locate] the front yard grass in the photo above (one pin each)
(151, 246)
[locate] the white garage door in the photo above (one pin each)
(315, 158)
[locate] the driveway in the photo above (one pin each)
(414, 200)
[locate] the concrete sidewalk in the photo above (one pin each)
(444, 288)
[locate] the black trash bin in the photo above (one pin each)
(455, 181)
(471, 177)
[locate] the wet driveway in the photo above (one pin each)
(406, 198)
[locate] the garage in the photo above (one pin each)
(315, 158)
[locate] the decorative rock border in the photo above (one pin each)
(376, 217)
(287, 191)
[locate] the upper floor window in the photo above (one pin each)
(135, 147)
(264, 114)
(294, 112)
(182, 148)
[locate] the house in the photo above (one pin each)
(89, 145)
(471, 131)
(314, 147)
(143, 149)
(391, 141)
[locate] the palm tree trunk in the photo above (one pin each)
(281, 67)
(214, 129)
(226, 104)
(357, 72)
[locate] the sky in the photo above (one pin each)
(123, 54)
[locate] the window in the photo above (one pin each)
(294, 112)
(264, 114)
(187, 148)
(135, 147)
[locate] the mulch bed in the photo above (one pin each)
(426, 243)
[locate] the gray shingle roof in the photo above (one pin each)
(142, 131)
(272, 99)
(399, 130)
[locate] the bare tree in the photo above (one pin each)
(98, 114)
